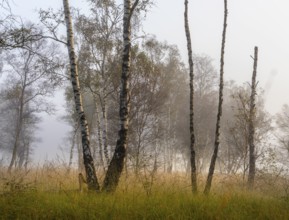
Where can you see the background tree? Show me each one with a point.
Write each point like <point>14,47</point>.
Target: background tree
<point>9,120</point>
<point>282,122</point>
<point>30,77</point>
<point>100,46</point>
<point>157,83</point>
<point>235,151</point>
<point>206,96</point>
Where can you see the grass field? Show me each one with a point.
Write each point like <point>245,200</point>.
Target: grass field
<point>52,194</point>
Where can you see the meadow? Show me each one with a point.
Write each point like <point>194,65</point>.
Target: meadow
<point>52,193</point>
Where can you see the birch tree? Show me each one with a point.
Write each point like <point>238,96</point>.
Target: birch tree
<point>155,85</point>
<point>92,180</point>
<point>192,138</point>
<point>251,125</point>
<point>219,114</point>
<point>117,162</point>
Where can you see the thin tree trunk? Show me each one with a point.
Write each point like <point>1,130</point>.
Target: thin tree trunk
<point>167,155</point>
<point>79,151</point>
<point>99,136</point>
<point>219,115</point>
<point>19,126</point>
<point>27,151</point>
<point>138,151</point>
<point>104,111</point>
<point>117,162</point>
<point>16,143</point>
<point>251,128</point>
<point>71,154</point>
<point>192,135</point>
<point>104,130</point>
<point>92,181</point>
<point>72,147</point>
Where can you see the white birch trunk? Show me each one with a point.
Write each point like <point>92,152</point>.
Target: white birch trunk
<point>99,135</point>
<point>104,129</point>
<point>92,181</point>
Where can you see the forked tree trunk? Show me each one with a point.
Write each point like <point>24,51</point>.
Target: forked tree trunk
<point>251,126</point>
<point>92,181</point>
<point>219,115</point>
<point>191,64</point>
<point>116,165</point>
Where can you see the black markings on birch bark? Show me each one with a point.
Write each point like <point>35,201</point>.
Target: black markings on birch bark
<point>219,115</point>
<point>92,181</point>
<point>99,136</point>
<point>192,135</point>
<point>117,162</point>
<point>104,129</point>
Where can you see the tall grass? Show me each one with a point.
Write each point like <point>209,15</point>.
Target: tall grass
<point>52,194</point>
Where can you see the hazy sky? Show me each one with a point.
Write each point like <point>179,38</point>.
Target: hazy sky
<point>262,23</point>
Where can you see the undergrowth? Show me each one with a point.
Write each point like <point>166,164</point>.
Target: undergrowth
<point>53,194</point>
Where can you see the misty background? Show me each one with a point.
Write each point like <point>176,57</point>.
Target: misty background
<point>262,23</point>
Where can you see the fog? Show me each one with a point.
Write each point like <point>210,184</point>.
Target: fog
<point>262,23</point>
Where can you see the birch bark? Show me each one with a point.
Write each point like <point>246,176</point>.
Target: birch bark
<point>219,115</point>
<point>117,162</point>
<point>104,128</point>
<point>92,181</point>
<point>99,135</point>
<point>192,135</point>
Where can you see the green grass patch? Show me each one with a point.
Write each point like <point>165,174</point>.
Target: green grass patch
<point>74,205</point>
<point>55,196</point>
